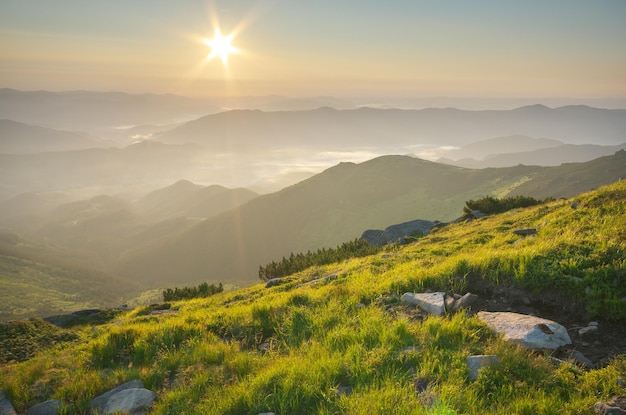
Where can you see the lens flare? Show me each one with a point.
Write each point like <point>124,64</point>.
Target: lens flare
<point>221,46</point>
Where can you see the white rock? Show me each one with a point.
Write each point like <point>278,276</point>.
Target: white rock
<point>527,331</point>
<point>432,303</point>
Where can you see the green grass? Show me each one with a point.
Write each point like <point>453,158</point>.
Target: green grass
<point>289,348</point>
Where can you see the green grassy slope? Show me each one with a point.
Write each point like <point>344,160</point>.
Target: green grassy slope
<point>288,349</point>
<point>38,279</point>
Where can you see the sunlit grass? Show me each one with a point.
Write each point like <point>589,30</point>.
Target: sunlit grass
<point>291,348</point>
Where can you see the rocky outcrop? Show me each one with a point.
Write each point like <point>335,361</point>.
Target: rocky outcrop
<point>528,331</point>
<point>399,233</point>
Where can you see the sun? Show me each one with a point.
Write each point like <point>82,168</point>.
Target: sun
<point>221,46</point>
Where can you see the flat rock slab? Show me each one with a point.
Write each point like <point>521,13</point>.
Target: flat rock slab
<point>531,332</point>
<point>432,303</point>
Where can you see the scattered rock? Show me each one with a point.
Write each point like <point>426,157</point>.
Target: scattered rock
<point>343,391</point>
<point>50,407</point>
<point>475,363</point>
<point>464,302</point>
<point>420,385</point>
<point>528,331</point>
<point>574,205</point>
<point>325,279</point>
<point>6,407</point>
<point>264,347</point>
<point>586,330</point>
<point>580,358</point>
<point>450,302</point>
<point>616,406</point>
<point>525,232</point>
<point>556,362</point>
<point>272,283</point>
<point>399,232</point>
<point>134,401</point>
<point>432,303</point>
<point>162,312</point>
<point>98,403</point>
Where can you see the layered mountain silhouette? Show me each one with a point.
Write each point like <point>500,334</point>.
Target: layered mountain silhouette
<point>254,130</point>
<point>184,198</point>
<point>19,138</point>
<point>513,150</point>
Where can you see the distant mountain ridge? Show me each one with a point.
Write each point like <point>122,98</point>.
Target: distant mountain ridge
<point>184,198</point>
<point>19,138</point>
<point>514,150</point>
<point>363,127</point>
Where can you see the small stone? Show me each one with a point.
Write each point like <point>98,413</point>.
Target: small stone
<point>475,363</point>
<point>525,232</point>
<point>526,301</point>
<point>578,357</point>
<point>264,347</point>
<point>409,349</point>
<point>574,205</point>
<point>616,406</point>
<point>432,303</point>
<point>272,282</point>
<point>343,391</point>
<point>466,301</point>
<point>556,362</point>
<point>134,400</point>
<point>98,403</point>
<point>420,385</point>
<point>50,407</point>
<point>587,330</point>
<point>6,407</point>
<point>449,303</point>
<point>593,323</point>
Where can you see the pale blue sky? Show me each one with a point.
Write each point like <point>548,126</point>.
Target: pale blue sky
<point>556,48</point>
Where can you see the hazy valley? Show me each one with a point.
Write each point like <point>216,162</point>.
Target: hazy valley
<point>175,197</point>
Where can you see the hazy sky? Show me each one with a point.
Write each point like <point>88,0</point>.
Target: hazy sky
<point>477,48</point>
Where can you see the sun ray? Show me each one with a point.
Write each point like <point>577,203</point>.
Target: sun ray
<point>221,46</point>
